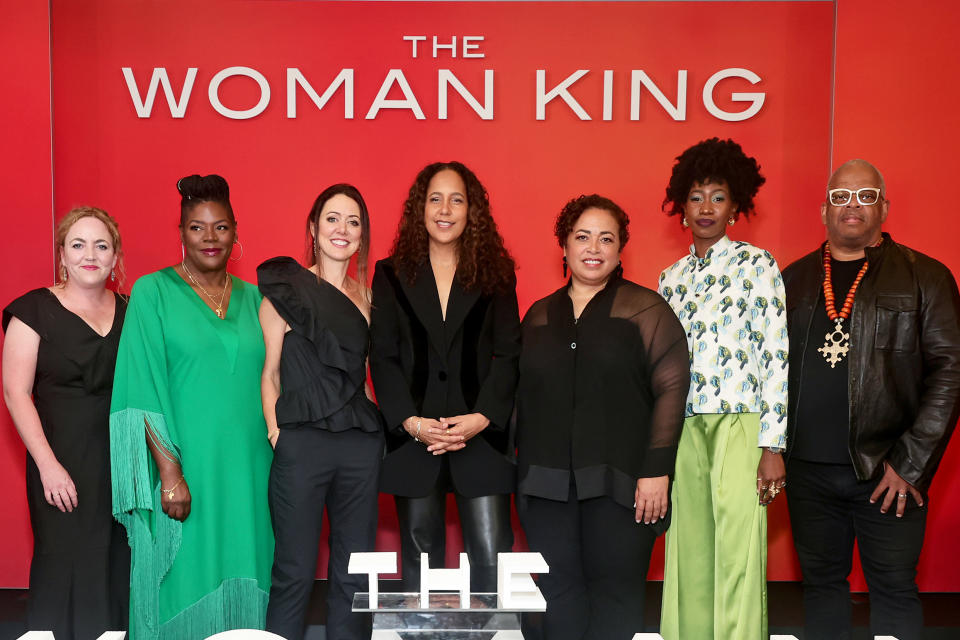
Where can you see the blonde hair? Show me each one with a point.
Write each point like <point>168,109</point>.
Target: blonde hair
<point>67,221</point>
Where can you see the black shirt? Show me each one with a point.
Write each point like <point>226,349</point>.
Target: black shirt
<point>824,423</point>
<point>602,395</point>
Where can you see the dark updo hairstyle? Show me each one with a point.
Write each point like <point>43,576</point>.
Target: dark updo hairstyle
<point>714,160</point>
<point>483,262</point>
<point>363,252</point>
<point>196,189</point>
<point>572,211</point>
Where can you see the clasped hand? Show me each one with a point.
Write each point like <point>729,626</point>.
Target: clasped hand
<point>446,434</point>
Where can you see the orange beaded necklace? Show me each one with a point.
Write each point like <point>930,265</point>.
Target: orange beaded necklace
<point>837,341</point>
<point>828,288</point>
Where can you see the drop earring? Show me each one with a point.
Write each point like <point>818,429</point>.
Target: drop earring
<point>113,275</point>
<point>564,267</point>
<point>684,222</point>
<point>732,221</point>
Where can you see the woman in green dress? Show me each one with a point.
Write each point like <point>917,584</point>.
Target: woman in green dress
<point>189,458</point>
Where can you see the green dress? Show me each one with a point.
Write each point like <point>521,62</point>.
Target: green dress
<point>195,379</point>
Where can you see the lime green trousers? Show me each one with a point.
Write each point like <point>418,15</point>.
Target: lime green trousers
<point>715,572</point>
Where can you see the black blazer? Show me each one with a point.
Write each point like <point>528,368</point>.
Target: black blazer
<point>421,365</point>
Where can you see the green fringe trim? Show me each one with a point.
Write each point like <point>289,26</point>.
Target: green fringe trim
<point>153,536</point>
<point>152,549</point>
<point>238,603</point>
<point>132,470</point>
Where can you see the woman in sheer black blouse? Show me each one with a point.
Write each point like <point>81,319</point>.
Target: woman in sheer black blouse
<point>603,380</point>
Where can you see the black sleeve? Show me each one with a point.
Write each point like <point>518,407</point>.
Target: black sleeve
<point>275,279</point>
<point>386,371</point>
<point>495,400</point>
<point>917,453</point>
<point>668,364</point>
<point>27,309</point>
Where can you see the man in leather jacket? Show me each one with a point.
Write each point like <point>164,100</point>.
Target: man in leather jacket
<point>874,394</point>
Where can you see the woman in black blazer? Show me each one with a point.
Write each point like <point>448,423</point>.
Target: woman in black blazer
<point>445,341</point>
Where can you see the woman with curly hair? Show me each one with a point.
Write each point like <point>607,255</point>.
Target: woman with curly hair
<point>445,339</point>
<point>729,298</point>
<point>603,379</point>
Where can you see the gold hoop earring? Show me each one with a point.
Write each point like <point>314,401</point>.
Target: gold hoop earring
<point>241,251</point>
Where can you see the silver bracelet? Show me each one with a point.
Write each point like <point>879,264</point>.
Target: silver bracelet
<point>417,436</point>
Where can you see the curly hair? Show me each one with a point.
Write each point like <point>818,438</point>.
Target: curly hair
<point>483,262</point>
<point>572,211</point>
<point>63,228</point>
<point>714,160</point>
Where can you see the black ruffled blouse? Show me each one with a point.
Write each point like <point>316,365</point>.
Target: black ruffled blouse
<point>323,362</point>
<point>600,397</point>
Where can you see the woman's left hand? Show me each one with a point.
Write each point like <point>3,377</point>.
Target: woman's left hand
<point>650,499</point>
<point>771,476</point>
<point>456,431</point>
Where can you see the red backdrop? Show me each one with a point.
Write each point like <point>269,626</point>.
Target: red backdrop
<point>823,102</point>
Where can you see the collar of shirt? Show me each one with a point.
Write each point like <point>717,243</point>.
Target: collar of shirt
<point>719,249</point>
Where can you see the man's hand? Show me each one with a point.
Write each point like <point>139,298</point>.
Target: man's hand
<point>897,489</point>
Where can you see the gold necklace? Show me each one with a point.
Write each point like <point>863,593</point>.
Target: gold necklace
<point>219,309</point>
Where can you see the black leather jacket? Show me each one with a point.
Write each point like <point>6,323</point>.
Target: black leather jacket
<point>904,367</point>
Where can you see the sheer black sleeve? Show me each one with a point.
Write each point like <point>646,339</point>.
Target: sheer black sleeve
<point>666,362</point>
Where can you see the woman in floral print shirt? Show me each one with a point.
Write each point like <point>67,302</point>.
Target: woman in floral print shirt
<point>729,298</point>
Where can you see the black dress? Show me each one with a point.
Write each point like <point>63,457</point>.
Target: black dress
<point>79,574</point>
<point>328,453</point>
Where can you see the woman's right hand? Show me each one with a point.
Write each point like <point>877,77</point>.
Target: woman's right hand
<point>177,507</point>
<point>58,487</point>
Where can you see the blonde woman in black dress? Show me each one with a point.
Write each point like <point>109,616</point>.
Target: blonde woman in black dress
<point>58,360</point>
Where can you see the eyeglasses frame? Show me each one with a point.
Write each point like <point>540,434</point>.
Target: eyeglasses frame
<point>874,190</point>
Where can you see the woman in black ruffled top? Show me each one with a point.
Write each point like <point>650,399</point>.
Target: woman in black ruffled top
<point>325,430</point>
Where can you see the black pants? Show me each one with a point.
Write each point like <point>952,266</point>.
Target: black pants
<point>598,558</point>
<point>829,508</point>
<point>313,468</point>
<point>484,521</point>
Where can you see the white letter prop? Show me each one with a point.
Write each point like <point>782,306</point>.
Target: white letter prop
<point>373,563</point>
<point>144,106</point>
<point>515,586</point>
<point>245,634</point>
<point>544,96</point>
<point>395,76</point>
<point>213,93</point>
<point>756,98</point>
<point>444,580</point>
